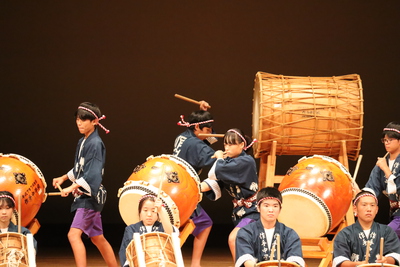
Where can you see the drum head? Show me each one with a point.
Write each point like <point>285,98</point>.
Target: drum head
<point>304,212</point>
<point>130,195</point>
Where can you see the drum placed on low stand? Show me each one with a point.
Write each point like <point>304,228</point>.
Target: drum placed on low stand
<point>20,176</point>
<point>316,195</point>
<point>277,263</point>
<point>157,247</point>
<point>131,193</point>
<point>178,180</point>
<point>13,250</point>
<point>307,115</point>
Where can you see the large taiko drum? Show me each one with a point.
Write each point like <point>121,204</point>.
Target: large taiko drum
<point>158,250</point>
<point>276,263</point>
<point>316,194</point>
<point>307,115</point>
<point>13,250</point>
<point>21,177</point>
<point>180,187</point>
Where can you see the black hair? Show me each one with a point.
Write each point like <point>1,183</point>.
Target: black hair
<point>232,138</point>
<point>6,200</point>
<point>199,116</point>
<point>143,199</point>
<point>392,134</point>
<point>269,192</point>
<point>86,115</point>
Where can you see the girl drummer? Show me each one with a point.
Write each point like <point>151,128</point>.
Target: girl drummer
<point>151,220</point>
<point>238,173</point>
<point>7,209</point>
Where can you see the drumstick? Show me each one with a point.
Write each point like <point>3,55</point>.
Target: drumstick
<point>381,249</point>
<point>54,194</point>
<point>367,252</point>
<point>386,154</point>
<point>357,167</point>
<point>19,213</point>
<point>278,252</point>
<point>187,99</point>
<point>159,192</point>
<point>59,187</point>
<point>212,135</point>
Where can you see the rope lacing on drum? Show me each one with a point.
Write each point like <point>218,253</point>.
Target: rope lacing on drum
<point>14,258</point>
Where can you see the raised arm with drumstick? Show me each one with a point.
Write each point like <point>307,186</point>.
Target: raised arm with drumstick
<point>361,242</point>
<point>384,177</point>
<point>196,150</point>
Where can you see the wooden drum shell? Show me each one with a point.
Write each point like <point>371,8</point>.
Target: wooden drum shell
<point>307,115</point>
<point>317,194</point>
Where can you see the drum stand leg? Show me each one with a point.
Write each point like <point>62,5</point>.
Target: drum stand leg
<point>266,175</point>
<point>186,231</point>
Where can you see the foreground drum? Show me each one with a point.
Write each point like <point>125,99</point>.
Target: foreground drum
<point>316,195</point>
<point>277,263</point>
<point>307,115</point>
<point>21,177</point>
<point>377,264</point>
<point>13,250</point>
<point>158,250</point>
<point>173,177</point>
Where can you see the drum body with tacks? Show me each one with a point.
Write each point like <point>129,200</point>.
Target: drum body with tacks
<point>307,115</point>
<point>317,194</point>
<point>158,250</point>
<point>174,178</point>
<point>21,177</point>
<point>276,263</point>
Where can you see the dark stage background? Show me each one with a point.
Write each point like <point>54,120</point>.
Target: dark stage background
<point>131,57</point>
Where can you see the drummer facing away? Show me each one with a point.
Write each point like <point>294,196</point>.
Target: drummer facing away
<point>350,245</point>
<point>257,241</point>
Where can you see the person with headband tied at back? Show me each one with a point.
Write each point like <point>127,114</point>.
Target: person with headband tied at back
<point>90,195</point>
<point>365,241</point>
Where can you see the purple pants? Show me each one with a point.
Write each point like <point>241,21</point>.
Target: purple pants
<point>89,221</point>
<point>395,225</point>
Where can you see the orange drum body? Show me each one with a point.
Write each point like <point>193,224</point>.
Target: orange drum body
<point>20,176</point>
<point>276,264</point>
<point>307,115</point>
<point>316,193</point>
<point>158,250</point>
<point>13,250</point>
<point>180,187</point>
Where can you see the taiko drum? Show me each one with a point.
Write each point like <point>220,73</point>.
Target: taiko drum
<point>175,177</point>
<point>316,194</point>
<point>21,177</point>
<point>307,115</point>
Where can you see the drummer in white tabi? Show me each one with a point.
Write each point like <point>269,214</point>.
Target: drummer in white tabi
<point>366,241</point>
<point>257,241</point>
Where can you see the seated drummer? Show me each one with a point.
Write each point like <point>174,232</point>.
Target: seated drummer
<point>257,241</point>
<point>350,244</point>
<point>7,209</point>
<point>151,220</point>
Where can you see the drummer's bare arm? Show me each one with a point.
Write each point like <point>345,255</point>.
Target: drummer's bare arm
<point>384,259</point>
<point>352,263</point>
<point>249,264</point>
<point>204,187</point>
<point>166,223</point>
<point>219,154</point>
<point>66,191</point>
<point>59,180</point>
